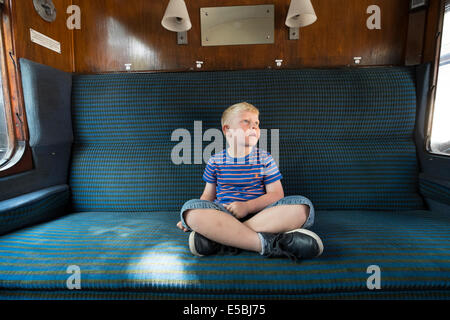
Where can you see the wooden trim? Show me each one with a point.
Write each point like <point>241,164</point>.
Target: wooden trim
<point>21,166</point>
<point>431,29</point>
<point>72,51</point>
<point>434,76</point>
<point>416,37</point>
<point>5,86</point>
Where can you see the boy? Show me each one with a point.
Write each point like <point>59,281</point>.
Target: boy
<point>243,204</point>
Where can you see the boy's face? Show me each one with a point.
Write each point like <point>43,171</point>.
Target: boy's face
<point>243,129</point>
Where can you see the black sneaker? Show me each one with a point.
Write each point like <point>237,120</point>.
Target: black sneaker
<point>201,246</point>
<point>297,244</point>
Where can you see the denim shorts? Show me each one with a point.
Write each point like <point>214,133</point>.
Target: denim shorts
<point>206,204</point>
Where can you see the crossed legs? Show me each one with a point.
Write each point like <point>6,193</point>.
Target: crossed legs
<point>227,230</point>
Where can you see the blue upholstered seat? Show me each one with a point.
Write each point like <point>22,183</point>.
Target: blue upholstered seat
<point>143,255</point>
<point>346,143</point>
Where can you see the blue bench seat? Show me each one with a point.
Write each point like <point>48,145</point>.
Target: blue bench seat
<point>144,256</point>
<point>105,194</point>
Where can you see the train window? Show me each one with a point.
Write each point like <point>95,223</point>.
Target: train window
<point>4,141</point>
<point>440,130</point>
<point>4,136</point>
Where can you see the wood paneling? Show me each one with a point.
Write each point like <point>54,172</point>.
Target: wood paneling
<point>431,30</point>
<point>414,42</point>
<point>116,32</point>
<point>25,17</point>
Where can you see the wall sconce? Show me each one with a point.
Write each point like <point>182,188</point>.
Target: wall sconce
<point>301,14</point>
<point>176,19</point>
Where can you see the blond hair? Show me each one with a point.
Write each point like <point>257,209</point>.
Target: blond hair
<point>235,109</point>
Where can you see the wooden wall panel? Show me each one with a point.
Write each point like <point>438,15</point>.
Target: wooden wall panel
<point>431,30</point>
<point>116,32</point>
<point>415,39</point>
<point>25,17</point>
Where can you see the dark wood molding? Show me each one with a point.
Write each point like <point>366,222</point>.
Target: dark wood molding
<point>431,31</point>
<point>416,36</point>
<point>25,164</point>
<point>18,128</point>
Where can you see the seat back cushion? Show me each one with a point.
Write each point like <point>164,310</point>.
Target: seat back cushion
<point>345,135</point>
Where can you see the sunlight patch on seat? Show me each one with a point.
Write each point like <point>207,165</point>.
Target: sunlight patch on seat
<point>160,264</point>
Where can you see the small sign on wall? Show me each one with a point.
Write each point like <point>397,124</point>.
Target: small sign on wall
<point>45,41</point>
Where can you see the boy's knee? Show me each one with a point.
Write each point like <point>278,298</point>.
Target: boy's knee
<point>187,213</point>
<point>304,209</point>
<point>307,216</point>
<point>301,215</point>
<point>191,216</point>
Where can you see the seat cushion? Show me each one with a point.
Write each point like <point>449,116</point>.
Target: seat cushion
<point>144,255</point>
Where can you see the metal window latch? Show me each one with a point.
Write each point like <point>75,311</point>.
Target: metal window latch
<point>12,58</point>
<point>19,117</point>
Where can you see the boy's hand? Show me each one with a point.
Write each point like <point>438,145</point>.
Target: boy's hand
<point>239,209</point>
<point>180,225</point>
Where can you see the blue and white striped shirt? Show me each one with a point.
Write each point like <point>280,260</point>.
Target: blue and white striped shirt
<point>241,179</point>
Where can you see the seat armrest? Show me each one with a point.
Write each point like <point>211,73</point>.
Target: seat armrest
<point>34,207</point>
<point>435,189</point>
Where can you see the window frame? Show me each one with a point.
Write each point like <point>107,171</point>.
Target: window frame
<point>434,80</point>
<point>6,102</point>
<point>20,157</point>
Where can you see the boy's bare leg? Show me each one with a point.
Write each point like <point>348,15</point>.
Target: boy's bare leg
<point>279,219</point>
<point>222,228</point>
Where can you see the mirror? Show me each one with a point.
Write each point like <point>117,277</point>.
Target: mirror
<point>236,25</point>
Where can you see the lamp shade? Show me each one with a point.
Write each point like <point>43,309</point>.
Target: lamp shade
<point>176,17</point>
<point>301,13</point>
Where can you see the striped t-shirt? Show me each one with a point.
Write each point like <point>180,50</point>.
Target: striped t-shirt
<point>241,179</point>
